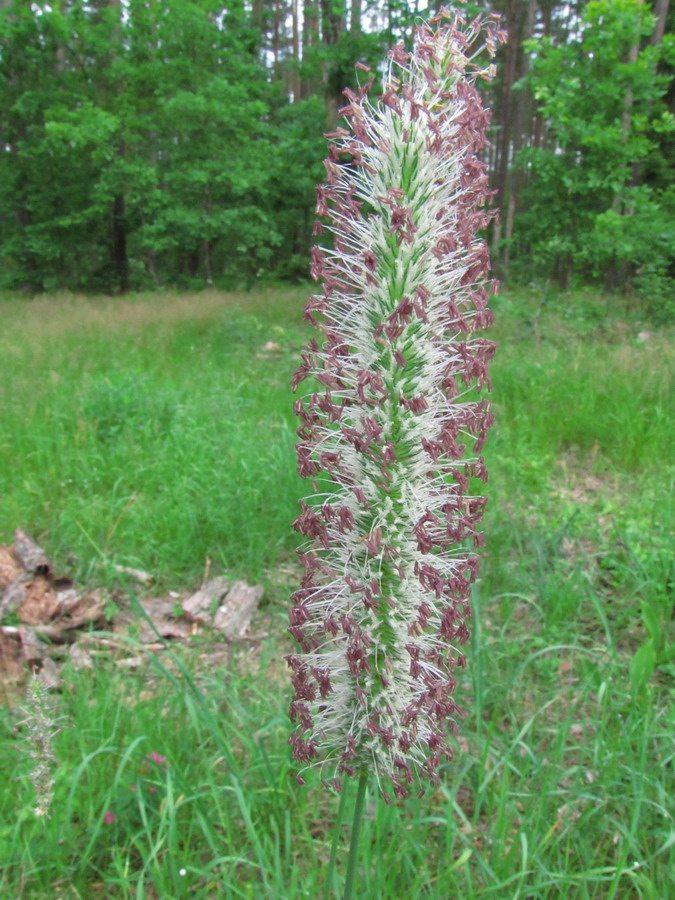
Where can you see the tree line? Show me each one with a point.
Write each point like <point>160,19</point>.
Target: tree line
<point>151,144</point>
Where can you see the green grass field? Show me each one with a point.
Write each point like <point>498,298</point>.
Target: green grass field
<point>157,432</point>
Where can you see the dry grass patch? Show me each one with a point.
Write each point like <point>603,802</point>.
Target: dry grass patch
<point>60,314</point>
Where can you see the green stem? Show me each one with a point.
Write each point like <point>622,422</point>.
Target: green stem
<point>336,840</point>
<point>356,830</point>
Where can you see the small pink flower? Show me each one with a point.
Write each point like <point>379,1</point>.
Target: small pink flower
<point>156,758</point>
<point>109,818</point>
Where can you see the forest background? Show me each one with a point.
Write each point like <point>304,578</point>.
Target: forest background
<point>148,145</point>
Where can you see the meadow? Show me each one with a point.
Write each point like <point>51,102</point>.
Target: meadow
<point>157,432</point>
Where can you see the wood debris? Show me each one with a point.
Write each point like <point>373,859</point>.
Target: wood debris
<point>40,613</point>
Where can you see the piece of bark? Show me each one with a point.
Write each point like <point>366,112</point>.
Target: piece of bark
<point>201,607</point>
<point>32,648</point>
<point>159,607</point>
<point>76,609</point>
<point>12,670</point>
<point>20,653</point>
<point>67,599</point>
<point>13,595</point>
<point>39,604</point>
<point>161,612</point>
<point>163,622</point>
<point>31,557</point>
<point>10,568</point>
<point>73,611</point>
<point>234,614</point>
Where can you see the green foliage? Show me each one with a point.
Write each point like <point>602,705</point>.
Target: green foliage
<point>641,241</point>
<point>163,160</point>
<point>593,207</point>
<point>294,170</point>
<point>145,148</point>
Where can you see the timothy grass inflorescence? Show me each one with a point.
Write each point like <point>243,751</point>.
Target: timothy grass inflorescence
<point>394,427</point>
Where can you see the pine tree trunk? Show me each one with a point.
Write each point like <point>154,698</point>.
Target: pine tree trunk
<point>661,13</point>
<point>276,38</point>
<point>119,243</point>
<point>355,17</point>
<point>120,257</point>
<point>505,112</point>
<point>521,133</point>
<point>626,121</point>
<point>333,17</point>
<point>295,72</point>
<point>310,42</point>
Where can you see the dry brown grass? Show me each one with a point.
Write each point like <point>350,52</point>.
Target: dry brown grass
<point>59,314</point>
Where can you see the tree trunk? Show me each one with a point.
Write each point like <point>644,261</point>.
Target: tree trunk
<point>626,121</point>
<point>333,18</point>
<point>661,13</point>
<point>505,111</point>
<point>119,244</point>
<point>257,15</point>
<point>206,256</point>
<point>538,134</point>
<point>355,17</point>
<point>276,38</point>
<point>13,134</point>
<point>310,42</point>
<point>120,255</point>
<point>521,133</point>
<point>295,72</point>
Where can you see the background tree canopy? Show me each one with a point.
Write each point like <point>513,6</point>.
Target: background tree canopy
<point>153,144</point>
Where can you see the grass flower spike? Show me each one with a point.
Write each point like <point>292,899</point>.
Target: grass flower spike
<point>42,727</point>
<point>392,432</point>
